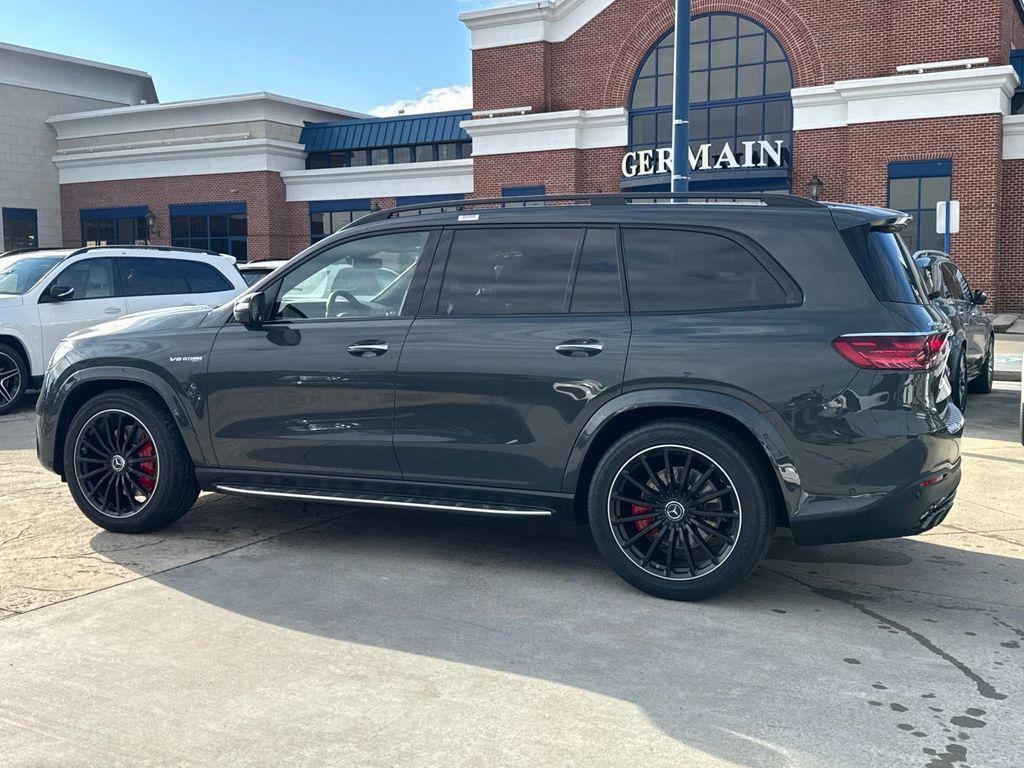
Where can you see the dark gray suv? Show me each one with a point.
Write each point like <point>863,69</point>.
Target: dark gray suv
<point>682,377</point>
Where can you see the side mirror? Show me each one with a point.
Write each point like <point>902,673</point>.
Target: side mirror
<point>979,298</point>
<point>61,292</point>
<point>250,309</point>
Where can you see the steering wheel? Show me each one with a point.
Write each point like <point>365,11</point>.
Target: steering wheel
<point>335,296</point>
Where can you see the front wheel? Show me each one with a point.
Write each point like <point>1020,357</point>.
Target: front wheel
<point>126,465</point>
<point>982,385</point>
<point>14,377</point>
<point>679,510</point>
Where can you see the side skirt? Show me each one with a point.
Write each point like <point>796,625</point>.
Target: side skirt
<point>471,500</point>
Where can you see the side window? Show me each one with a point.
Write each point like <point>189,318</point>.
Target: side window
<point>151,277</point>
<point>953,289</point>
<point>91,279</point>
<point>508,271</point>
<point>202,278</point>
<point>677,271</point>
<point>598,286</point>
<point>965,287</point>
<point>369,277</point>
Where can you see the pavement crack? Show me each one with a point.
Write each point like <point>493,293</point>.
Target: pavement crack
<point>985,688</point>
<point>16,536</point>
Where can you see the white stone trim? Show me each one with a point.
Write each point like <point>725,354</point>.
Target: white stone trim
<point>1013,137</point>
<point>246,107</point>
<point>552,21</point>
<point>982,91</point>
<point>54,73</point>
<point>544,131</point>
<point>443,177</point>
<point>181,160</point>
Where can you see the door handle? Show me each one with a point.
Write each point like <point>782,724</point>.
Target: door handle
<point>368,348</point>
<point>580,348</point>
<point>112,311</point>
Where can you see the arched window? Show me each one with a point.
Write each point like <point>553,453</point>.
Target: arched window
<point>740,84</point>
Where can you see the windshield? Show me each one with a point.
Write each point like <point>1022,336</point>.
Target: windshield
<point>19,273</point>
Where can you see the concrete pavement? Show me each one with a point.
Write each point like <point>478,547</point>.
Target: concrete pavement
<point>281,634</point>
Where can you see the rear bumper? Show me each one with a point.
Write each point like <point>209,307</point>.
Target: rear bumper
<point>910,509</point>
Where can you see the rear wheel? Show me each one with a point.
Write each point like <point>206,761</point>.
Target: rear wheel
<point>679,510</point>
<point>958,381</point>
<point>14,377</point>
<point>982,385</point>
<point>126,465</point>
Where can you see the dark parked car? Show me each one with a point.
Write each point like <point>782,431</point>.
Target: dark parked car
<point>682,377</point>
<point>973,341</point>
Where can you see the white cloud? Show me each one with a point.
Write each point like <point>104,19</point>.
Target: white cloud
<point>445,99</point>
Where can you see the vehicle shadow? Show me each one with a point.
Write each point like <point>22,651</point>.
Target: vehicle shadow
<point>837,642</point>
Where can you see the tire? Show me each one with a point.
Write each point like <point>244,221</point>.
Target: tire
<point>982,384</point>
<point>14,376</point>
<point>154,482</point>
<point>958,382</point>
<point>745,514</point>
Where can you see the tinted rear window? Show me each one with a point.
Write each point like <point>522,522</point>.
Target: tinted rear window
<point>508,271</point>
<point>886,265</point>
<point>151,277</point>
<point>202,278</point>
<point>681,271</point>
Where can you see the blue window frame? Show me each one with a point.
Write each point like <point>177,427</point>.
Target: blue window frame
<point>523,192</point>
<point>410,153</point>
<point>218,227</point>
<point>740,83</point>
<point>115,226</point>
<point>21,228</point>
<point>917,188</point>
<point>426,200</point>
<point>328,216</point>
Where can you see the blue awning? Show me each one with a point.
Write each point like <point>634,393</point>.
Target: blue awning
<point>437,128</point>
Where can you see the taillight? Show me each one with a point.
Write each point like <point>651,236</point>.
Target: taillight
<point>894,353</point>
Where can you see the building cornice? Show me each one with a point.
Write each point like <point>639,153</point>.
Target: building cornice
<point>956,93</point>
<point>442,177</point>
<point>552,21</point>
<point>247,107</point>
<point>545,131</point>
<point>54,73</point>
<point>180,160</point>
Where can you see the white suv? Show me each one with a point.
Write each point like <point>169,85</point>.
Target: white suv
<point>47,294</point>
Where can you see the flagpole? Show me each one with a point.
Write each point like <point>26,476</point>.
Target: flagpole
<point>681,104</point>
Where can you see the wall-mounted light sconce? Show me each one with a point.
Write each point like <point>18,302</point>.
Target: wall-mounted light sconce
<point>815,187</point>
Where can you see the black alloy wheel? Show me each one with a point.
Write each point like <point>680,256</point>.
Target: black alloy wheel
<point>674,512</point>
<point>982,384</point>
<point>117,464</point>
<point>13,377</point>
<point>959,383</point>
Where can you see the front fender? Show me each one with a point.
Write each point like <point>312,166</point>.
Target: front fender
<point>54,401</point>
<point>764,426</point>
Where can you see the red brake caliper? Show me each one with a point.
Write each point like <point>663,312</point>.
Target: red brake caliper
<point>640,509</point>
<point>147,468</point>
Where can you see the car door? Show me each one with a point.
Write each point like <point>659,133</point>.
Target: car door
<point>523,335</point>
<point>95,299</point>
<point>976,324</point>
<point>312,389</point>
<point>959,308</point>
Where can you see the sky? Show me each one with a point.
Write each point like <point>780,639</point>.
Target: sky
<point>375,56</point>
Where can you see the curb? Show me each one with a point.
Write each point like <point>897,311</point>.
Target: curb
<point>1006,375</point>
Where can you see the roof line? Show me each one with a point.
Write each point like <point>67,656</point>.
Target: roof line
<point>238,97</point>
<point>74,60</point>
<point>413,116</point>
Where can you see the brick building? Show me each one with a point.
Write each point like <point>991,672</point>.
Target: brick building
<point>899,103</point>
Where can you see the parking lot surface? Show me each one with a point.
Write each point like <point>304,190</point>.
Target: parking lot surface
<point>286,634</point>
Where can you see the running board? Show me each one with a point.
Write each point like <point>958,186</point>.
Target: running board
<point>330,497</point>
